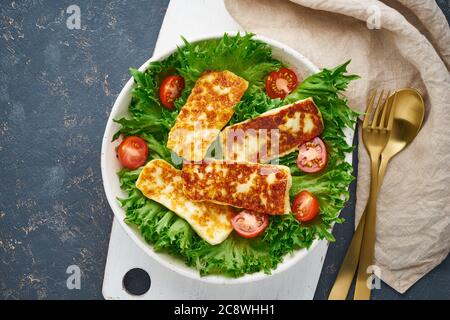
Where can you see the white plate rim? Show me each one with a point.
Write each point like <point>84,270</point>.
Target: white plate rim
<point>175,264</point>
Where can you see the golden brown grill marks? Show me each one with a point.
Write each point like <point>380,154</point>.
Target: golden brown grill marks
<point>163,183</point>
<point>253,186</point>
<point>286,128</point>
<point>208,109</point>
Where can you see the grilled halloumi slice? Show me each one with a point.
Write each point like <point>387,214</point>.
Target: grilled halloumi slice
<point>162,183</point>
<point>273,134</point>
<point>253,186</point>
<point>208,109</point>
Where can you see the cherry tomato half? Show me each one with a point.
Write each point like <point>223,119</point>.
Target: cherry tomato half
<point>132,152</point>
<point>305,206</point>
<point>312,156</point>
<point>170,90</point>
<point>280,83</point>
<point>250,224</point>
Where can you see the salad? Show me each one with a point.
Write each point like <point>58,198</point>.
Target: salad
<point>319,176</point>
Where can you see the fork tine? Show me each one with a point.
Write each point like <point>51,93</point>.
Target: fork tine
<point>386,109</point>
<point>369,109</point>
<point>377,110</point>
<point>391,114</point>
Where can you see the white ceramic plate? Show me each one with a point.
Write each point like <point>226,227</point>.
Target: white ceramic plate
<point>110,166</point>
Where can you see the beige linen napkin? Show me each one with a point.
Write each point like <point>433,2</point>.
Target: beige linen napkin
<point>392,44</point>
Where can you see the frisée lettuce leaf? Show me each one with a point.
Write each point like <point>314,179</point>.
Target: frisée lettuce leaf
<point>252,60</point>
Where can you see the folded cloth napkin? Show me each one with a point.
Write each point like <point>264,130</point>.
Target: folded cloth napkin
<point>392,44</point>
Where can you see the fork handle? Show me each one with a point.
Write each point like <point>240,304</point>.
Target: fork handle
<point>362,287</point>
<point>350,263</point>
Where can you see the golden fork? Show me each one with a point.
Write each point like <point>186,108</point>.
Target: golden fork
<point>377,135</point>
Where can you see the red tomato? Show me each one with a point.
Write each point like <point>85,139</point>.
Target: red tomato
<point>132,152</point>
<point>305,206</point>
<point>250,224</point>
<point>280,83</point>
<point>312,156</point>
<point>170,90</point>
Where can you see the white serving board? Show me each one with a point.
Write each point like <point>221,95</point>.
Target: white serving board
<point>192,19</point>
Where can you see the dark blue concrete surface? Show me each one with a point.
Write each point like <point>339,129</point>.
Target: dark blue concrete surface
<point>57,87</point>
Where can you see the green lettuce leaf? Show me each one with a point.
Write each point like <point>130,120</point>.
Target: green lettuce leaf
<point>252,60</point>
<point>242,55</point>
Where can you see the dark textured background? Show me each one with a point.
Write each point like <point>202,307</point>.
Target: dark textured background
<point>57,87</point>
